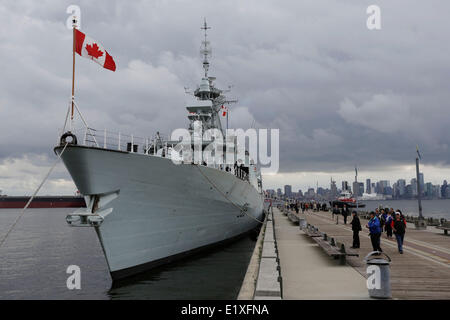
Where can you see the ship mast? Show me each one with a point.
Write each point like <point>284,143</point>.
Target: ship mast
<point>208,91</point>
<point>206,49</point>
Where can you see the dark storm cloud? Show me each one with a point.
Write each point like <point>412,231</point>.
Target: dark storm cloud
<point>339,93</point>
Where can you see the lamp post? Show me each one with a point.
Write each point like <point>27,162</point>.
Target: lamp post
<point>420,223</point>
<point>419,191</point>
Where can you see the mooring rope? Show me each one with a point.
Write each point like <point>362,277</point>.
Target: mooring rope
<point>32,197</point>
<point>225,196</point>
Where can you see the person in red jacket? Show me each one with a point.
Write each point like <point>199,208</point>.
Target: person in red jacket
<point>398,225</point>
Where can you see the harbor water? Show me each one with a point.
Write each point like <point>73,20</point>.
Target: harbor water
<point>35,257</point>
<point>430,208</point>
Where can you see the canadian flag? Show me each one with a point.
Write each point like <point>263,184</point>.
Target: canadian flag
<point>224,111</point>
<point>91,49</point>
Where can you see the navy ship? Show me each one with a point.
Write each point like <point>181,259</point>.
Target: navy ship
<point>148,210</point>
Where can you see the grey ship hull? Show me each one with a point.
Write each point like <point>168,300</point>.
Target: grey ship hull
<point>157,211</point>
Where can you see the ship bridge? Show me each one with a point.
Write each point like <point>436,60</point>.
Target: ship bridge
<point>201,110</point>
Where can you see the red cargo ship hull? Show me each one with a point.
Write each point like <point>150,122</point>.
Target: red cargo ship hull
<point>42,202</point>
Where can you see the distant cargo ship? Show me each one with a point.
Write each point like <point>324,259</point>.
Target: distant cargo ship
<point>11,202</point>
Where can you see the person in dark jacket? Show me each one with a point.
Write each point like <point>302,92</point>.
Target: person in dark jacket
<point>388,227</point>
<point>345,213</point>
<point>356,227</point>
<point>383,217</point>
<point>399,227</point>
<point>375,231</point>
<point>335,211</point>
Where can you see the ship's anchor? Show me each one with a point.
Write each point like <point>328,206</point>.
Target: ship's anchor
<point>95,211</point>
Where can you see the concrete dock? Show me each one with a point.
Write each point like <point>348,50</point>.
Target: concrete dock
<point>304,271</point>
<point>307,272</point>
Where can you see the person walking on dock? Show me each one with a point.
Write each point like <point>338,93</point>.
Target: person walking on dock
<point>345,213</point>
<point>399,227</point>
<point>375,231</point>
<point>356,227</point>
<point>383,217</point>
<point>388,225</point>
<point>335,211</point>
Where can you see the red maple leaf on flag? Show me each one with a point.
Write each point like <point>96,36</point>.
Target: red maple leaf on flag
<point>93,50</point>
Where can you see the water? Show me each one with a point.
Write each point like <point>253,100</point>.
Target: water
<point>35,257</point>
<point>430,208</point>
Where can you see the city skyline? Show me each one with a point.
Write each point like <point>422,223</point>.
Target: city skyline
<point>397,189</point>
<point>309,180</point>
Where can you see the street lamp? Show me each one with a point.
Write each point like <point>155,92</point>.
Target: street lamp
<point>420,223</point>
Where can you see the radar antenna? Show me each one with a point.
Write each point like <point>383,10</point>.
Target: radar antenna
<point>206,49</point>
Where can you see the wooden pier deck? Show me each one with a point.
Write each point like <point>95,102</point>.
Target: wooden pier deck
<point>422,272</point>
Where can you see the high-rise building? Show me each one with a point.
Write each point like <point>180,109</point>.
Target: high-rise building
<point>395,190</point>
<point>401,186</point>
<point>345,186</point>
<point>320,191</point>
<point>409,192</point>
<point>428,192</point>
<point>384,184</point>
<point>368,186</point>
<point>444,188</point>
<point>437,191</point>
<point>279,193</point>
<point>288,190</point>
<point>333,189</point>
<point>358,188</point>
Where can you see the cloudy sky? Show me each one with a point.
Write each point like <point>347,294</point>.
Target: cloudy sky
<point>339,93</point>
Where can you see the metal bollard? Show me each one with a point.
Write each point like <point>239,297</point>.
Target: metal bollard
<point>378,275</point>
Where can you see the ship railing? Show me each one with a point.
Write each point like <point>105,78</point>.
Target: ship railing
<point>116,140</point>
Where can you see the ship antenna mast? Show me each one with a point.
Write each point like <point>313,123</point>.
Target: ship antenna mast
<point>205,50</point>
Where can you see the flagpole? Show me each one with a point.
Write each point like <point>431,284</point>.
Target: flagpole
<point>356,192</point>
<point>73,68</point>
<point>227,118</point>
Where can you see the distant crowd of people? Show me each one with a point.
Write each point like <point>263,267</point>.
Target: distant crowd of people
<point>304,206</point>
<point>381,221</point>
